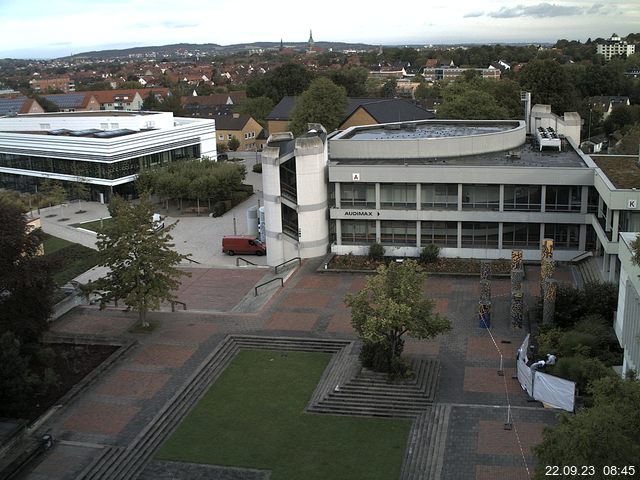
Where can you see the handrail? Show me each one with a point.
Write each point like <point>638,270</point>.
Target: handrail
<point>581,256</point>
<point>173,305</point>
<point>244,260</point>
<point>193,261</point>
<point>288,261</point>
<point>255,290</point>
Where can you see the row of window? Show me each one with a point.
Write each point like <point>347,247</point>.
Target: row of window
<point>108,171</point>
<point>247,136</point>
<point>474,197</point>
<point>473,234</point>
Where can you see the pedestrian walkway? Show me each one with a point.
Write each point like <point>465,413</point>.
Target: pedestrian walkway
<point>469,405</point>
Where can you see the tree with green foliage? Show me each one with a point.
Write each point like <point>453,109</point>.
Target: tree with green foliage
<point>258,108</point>
<point>323,102</point>
<point>464,102</point>
<point>605,435</point>
<point>47,105</point>
<point>151,102</point>
<point>221,147</point>
<point>25,279</point>
<point>79,190</point>
<point>550,84</point>
<point>233,143</point>
<point>635,250</point>
<point>389,89</point>
<point>352,78</point>
<point>53,192</point>
<point>289,79</point>
<point>140,257</point>
<point>393,304</point>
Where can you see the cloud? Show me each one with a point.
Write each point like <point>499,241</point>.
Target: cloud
<point>474,14</point>
<point>546,10</point>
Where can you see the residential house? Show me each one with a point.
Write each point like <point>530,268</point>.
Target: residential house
<point>241,126</point>
<point>606,104</point>
<point>127,99</point>
<point>64,84</point>
<point>74,102</point>
<point>359,111</point>
<point>12,106</point>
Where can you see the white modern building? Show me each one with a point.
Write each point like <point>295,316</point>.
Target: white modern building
<point>104,149</point>
<point>614,47</point>
<point>477,189</point>
<point>627,321</point>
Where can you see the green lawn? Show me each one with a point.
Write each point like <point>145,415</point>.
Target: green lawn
<point>93,226</point>
<point>68,259</point>
<point>253,417</point>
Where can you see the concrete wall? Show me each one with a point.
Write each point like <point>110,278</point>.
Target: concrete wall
<point>627,320</point>
<point>272,208</point>
<point>567,125</point>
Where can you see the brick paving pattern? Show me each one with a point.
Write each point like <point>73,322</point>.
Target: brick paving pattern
<point>122,401</point>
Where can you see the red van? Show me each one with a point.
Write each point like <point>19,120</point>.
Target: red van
<point>242,244</point>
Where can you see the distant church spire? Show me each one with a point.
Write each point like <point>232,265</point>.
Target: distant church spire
<point>310,37</point>
<point>281,45</point>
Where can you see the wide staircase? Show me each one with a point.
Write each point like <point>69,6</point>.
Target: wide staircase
<point>424,456</point>
<point>373,394</point>
<point>589,270</point>
<point>120,463</point>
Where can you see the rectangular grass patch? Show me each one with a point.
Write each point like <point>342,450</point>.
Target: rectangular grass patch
<point>253,417</point>
<point>68,259</point>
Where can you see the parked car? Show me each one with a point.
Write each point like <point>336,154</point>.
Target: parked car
<point>243,244</point>
<point>158,222</point>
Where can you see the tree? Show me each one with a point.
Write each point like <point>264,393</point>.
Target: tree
<point>635,250</point>
<point>53,192</point>
<point>140,258</point>
<point>46,104</point>
<point>352,78</point>
<point>151,102</point>
<point>258,108</point>
<point>80,191</point>
<point>469,103</point>
<point>601,436</point>
<point>25,279</point>
<point>221,147</point>
<point>324,102</point>
<point>388,90</point>
<point>392,304</point>
<point>288,79</point>
<point>233,144</point>
<point>549,84</point>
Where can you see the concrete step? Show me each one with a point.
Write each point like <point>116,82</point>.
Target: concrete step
<point>368,411</point>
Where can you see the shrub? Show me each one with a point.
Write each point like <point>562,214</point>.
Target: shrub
<point>378,356</point>
<point>581,370</point>
<point>376,252</point>
<point>430,253</point>
<point>257,168</point>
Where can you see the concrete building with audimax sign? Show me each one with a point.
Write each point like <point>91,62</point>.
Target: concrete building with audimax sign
<point>104,149</point>
<point>477,189</point>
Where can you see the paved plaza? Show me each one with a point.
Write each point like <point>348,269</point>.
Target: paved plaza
<point>113,410</point>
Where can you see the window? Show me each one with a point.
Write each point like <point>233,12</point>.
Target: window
<point>439,196</point>
<point>358,232</point>
<point>443,234</point>
<point>220,137</point>
<point>523,197</point>
<point>289,222</point>
<point>479,235</point>
<point>565,237</point>
<point>229,136</point>
<point>563,199</point>
<point>399,196</point>
<point>357,195</point>
<point>521,235</point>
<point>398,233</point>
<point>115,126</point>
<point>45,126</point>
<point>480,197</point>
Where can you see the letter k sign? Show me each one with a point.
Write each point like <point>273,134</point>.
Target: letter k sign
<point>632,204</point>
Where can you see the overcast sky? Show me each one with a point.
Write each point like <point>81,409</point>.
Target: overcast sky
<point>52,28</point>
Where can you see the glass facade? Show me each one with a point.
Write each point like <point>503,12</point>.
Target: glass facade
<point>480,197</point>
<point>288,183</point>
<point>526,198</point>
<point>563,198</point>
<point>104,170</point>
<point>358,232</point>
<point>289,221</point>
<point>521,235</point>
<point>565,237</point>
<point>479,235</point>
<point>443,234</point>
<point>439,196</point>
<point>362,195</point>
<point>398,195</point>
<point>398,233</point>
